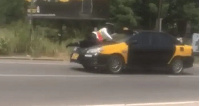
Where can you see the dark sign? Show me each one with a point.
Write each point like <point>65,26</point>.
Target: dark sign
<point>70,9</point>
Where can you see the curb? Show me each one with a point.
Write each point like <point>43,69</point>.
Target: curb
<point>26,58</point>
<point>45,59</point>
<point>15,58</point>
<point>48,59</point>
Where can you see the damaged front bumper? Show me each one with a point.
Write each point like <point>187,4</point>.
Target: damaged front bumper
<point>94,60</point>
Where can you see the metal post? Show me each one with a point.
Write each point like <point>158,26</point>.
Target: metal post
<point>31,19</point>
<point>91,9</point>
<point>31,15</point>
<point>160,24</point>
<point>82,6</point>
<point>159,16</point>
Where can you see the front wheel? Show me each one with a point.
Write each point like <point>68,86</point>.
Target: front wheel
<point>115,64</point>
<point>176,66</point>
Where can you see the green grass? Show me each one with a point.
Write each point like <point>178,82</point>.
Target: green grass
<point>16,39</point>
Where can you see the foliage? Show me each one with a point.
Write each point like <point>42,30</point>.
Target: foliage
<point>122,14</point>
<point>125,13</point>
<point>11,10</point>
<point>135,14</point>
<point>70,29</point>
<point>144,13</point>
<point>147,10</point>
<point>181,12</point>
<point>3,46</point>
<point>16,39</point>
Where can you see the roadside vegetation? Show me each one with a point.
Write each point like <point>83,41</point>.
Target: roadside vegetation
<point>17,37</point>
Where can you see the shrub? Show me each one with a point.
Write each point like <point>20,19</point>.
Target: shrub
<point>15,39</point>
<point>3,46</point>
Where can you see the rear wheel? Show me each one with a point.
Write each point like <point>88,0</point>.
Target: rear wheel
<point>115,64</point>
<point>176,66</point>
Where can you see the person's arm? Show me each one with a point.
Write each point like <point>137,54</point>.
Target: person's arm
<point>73,44</point>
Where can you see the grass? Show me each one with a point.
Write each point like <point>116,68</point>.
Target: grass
<point>15,39</point>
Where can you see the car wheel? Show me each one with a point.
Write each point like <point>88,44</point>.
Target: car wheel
<point>176,66</point>
<point>115,64</point>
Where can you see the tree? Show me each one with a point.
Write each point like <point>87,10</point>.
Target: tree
<point>181,13</point>
<point>122,14</point>
<point>147,10</point>
<point>11,10</point>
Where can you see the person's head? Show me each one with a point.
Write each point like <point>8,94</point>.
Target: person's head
<point>127,31</point>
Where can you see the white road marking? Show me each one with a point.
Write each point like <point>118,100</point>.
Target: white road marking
<point>185,76</point>
<point>190,103</point>
<point>66,76</point>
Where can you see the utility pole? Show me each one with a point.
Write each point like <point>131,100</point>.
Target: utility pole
<point>31,13</point>
<point>31,19</point>
<point>159,23</point>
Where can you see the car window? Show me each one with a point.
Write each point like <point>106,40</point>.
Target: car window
<point>119,36</point>
<point>167,39</point>
<point>143,38</point>
<point>155,39</point>
<point>122,37</point>
<point>161,39</point>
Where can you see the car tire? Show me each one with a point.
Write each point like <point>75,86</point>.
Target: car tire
<point>176,66</point>
<point>115,64</point>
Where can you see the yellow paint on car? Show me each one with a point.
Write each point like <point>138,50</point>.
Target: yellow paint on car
<point>119,48</point>
<point>187,51</point>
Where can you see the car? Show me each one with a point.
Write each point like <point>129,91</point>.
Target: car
<point>142,48</point>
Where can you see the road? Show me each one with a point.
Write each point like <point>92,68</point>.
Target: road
<point>45,83</point>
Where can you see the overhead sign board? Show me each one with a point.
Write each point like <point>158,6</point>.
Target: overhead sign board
<point>69,9</point>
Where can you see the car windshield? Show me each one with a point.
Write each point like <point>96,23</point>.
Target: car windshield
<point>122,37</point>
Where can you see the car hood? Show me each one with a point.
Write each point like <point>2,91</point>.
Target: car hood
<point>105,43</point>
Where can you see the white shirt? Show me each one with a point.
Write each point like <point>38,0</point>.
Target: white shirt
<point>105,34</point>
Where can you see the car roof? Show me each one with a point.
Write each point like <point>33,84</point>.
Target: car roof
<point>150,31</point>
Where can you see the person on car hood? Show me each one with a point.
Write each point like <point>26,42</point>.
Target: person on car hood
<point>104,33</point>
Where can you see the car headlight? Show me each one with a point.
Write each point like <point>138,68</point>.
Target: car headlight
<point>94,50</point>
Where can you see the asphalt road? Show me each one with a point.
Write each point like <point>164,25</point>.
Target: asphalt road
<point>43,83</point>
